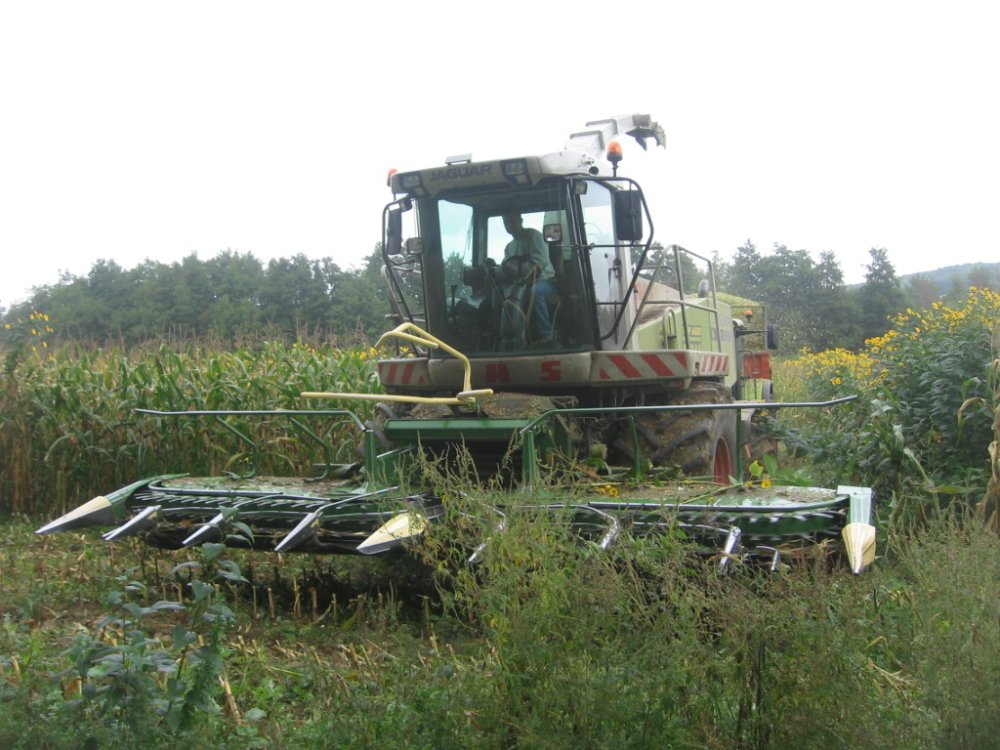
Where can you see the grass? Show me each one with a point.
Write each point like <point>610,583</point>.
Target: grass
<point>547,644</point>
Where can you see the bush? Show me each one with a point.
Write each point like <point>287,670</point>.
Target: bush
<point>923,421</point>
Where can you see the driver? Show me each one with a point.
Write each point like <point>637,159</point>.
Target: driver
<point>526,259</point>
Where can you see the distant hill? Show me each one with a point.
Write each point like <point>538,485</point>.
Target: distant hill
<point>948,276</point>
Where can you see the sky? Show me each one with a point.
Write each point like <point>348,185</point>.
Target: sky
<point>139,130</point>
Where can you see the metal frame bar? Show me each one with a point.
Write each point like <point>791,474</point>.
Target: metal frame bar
<point>530,459</point>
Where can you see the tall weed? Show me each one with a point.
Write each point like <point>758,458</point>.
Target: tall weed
<point>920,430</point>
<point>547,643</point>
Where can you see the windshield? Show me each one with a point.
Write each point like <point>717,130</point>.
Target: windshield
<point>548,267</point>
<point>502,271</point>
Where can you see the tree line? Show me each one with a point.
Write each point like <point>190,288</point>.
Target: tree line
<point>234,295</point>
<point>815,309</point>
<point>226,297</point>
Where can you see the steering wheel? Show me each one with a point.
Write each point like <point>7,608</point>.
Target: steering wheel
<point>516,267</point>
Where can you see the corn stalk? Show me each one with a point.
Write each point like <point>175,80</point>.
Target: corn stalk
<point>989,507</point>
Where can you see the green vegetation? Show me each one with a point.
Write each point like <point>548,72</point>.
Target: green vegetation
<point>68,426</point>
<point>548,642</point>
<point>920,432</point>
<point>816,310</point>
<point>226,298</point>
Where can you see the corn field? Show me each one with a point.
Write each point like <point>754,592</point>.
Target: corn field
<point>69,428</point>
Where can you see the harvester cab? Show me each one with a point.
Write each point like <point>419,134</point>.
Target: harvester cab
<point>457,266</point>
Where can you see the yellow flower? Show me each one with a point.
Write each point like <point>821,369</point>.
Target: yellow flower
<point>765,482</point>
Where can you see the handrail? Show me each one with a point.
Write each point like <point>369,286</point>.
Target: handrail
<point>681,303</point>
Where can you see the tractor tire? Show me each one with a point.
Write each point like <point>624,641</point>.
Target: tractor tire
<point>701,443</point>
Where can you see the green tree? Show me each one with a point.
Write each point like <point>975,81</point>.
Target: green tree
<point>744,277</point>
<point>836,313</point>
<point>296,298</point>
<point>225,297</point>
<point>880,296</point>
<point>360,300</point>
<point>93,307</point>
<point>981,277</point>
<point>153,303</point>
<point>238,283</point>
<point>194,296</point>
<point>922,291</point>
<point>807,299</point>
<point>791,285</point>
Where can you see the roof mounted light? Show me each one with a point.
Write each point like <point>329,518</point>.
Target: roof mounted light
<point>411,183</point>
<point>614,155</point>
<point>388,177</point>
<point>515,171</point>
<point>514,167</point>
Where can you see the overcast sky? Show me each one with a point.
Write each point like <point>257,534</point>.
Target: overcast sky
<point>135,130</point>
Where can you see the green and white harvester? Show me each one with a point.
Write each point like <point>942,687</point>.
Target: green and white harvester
<point>539,330</point>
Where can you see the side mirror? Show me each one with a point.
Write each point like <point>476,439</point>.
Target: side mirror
<point>628,216</point>
<point>394,226</point>
<point>771,335</point>
<point>394,232</point>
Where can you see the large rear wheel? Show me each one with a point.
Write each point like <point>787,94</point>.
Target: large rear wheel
<point>701,443</point>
